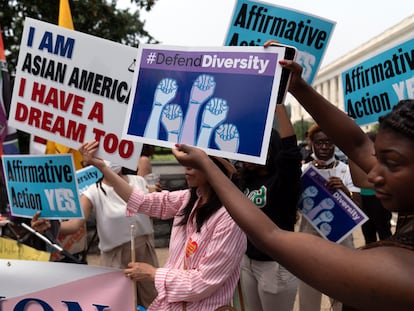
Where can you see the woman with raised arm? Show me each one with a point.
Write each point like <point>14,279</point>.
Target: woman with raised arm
<point>206,245</point>
<point>378,277</point>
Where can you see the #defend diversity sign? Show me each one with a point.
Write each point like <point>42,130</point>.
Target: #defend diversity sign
<point>255,22</point>
<point>219,99</point>
<point>45,184</point>
<point>71,87</point>
<point>332,214</point>
<point>374,86</point>
<point>87,176</point>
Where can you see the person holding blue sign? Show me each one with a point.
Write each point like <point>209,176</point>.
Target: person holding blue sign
<point>378,277</point>
<point>338,175</point>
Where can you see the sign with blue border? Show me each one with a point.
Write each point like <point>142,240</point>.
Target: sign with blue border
<point>42,183</point>
<point>219,99</point>
<point>371,88</point>
<point>333,214</point>
<point>87,176</point>
<point>255,22</point>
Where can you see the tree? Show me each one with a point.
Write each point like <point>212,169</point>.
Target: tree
<point>301,127</point>
<point>99,18</point>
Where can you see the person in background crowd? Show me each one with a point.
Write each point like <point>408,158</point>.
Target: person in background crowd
<point>114,228</point>
<point>206,245</point>
<point>144,162</point>
<point>274,188</point>
<point>306,149</point>
<point>339,178</point>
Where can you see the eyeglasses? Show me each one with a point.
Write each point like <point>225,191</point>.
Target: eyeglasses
<point>320,143</point>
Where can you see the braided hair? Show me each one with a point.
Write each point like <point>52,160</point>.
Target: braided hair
<point>400,119</point>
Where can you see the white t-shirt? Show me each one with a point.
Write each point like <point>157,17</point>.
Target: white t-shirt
<point>340,170</point>
<point>114,227</point>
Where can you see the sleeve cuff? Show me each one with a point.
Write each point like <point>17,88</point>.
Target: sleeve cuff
<point>134,201</point>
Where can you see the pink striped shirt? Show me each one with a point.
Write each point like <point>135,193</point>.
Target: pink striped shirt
<point>212,256</point>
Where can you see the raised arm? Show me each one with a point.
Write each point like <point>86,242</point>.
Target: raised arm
<point>144,166</point>
<point>285,125</point>
<point>359,177</point>
<point>121,186</point>
<point>345,133</point>
<point>342,273</point>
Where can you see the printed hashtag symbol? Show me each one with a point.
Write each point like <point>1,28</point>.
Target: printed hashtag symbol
<point>151,58</point>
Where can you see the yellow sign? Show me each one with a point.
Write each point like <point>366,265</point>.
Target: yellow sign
<point>10,249</point>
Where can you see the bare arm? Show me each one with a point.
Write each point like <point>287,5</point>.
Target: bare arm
<point>345,274</point>
<point>73,225</point>
<point>335,123</point>
<point>121,186</point>
<point>144,166</point>
<point>359,177</point>
<point>285,125</point>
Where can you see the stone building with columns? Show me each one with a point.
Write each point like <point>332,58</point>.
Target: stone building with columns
<point>328,81</point>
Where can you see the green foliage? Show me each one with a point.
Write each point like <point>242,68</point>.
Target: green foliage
<point>163,154</point>
<point>99,18</point>
<point>301,127</point>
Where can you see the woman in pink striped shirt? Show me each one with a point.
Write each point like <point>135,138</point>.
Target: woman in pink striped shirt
<point>206,245</point>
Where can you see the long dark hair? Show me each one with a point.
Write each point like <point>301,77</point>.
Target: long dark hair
<point>205,211</point>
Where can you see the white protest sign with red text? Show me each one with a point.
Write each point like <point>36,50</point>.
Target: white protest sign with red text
<point>72,88</point>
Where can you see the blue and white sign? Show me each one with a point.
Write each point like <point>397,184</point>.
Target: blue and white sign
<point>220,99</point>
<point>374,86</point>
<point>87,176</point>
<point>333,214</point>
<point>255,22</point>
<point>42,183</point>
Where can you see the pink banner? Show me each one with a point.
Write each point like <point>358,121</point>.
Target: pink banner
<point>41,286</point>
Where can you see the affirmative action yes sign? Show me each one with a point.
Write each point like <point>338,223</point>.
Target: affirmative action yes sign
<point>255,22</point>
<point>373,87</point>
<point>45,184</point>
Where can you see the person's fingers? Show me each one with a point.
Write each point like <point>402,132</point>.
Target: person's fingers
<point>291,65</point>
<point>271,42</point>
<point>36,216</point>
<point>94,144</point>
<point>181,147</point>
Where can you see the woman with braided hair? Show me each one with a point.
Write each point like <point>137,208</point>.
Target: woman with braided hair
<point>377,277</point>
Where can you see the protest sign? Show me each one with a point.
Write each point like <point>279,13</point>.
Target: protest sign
<point>255,22</point>
<point>333,214</point>
<point>45,184</point>
<point>220,99</point>
<point>371,88</point>
<point>71,87</point>
<point>87,176</point>
<point>77,242</point>
<point>12,249</point>
<point>35,285</point>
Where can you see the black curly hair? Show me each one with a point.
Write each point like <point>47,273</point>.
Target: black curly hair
<point>400,119</point>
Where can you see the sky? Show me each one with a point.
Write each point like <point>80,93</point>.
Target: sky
<point>206,22</point>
